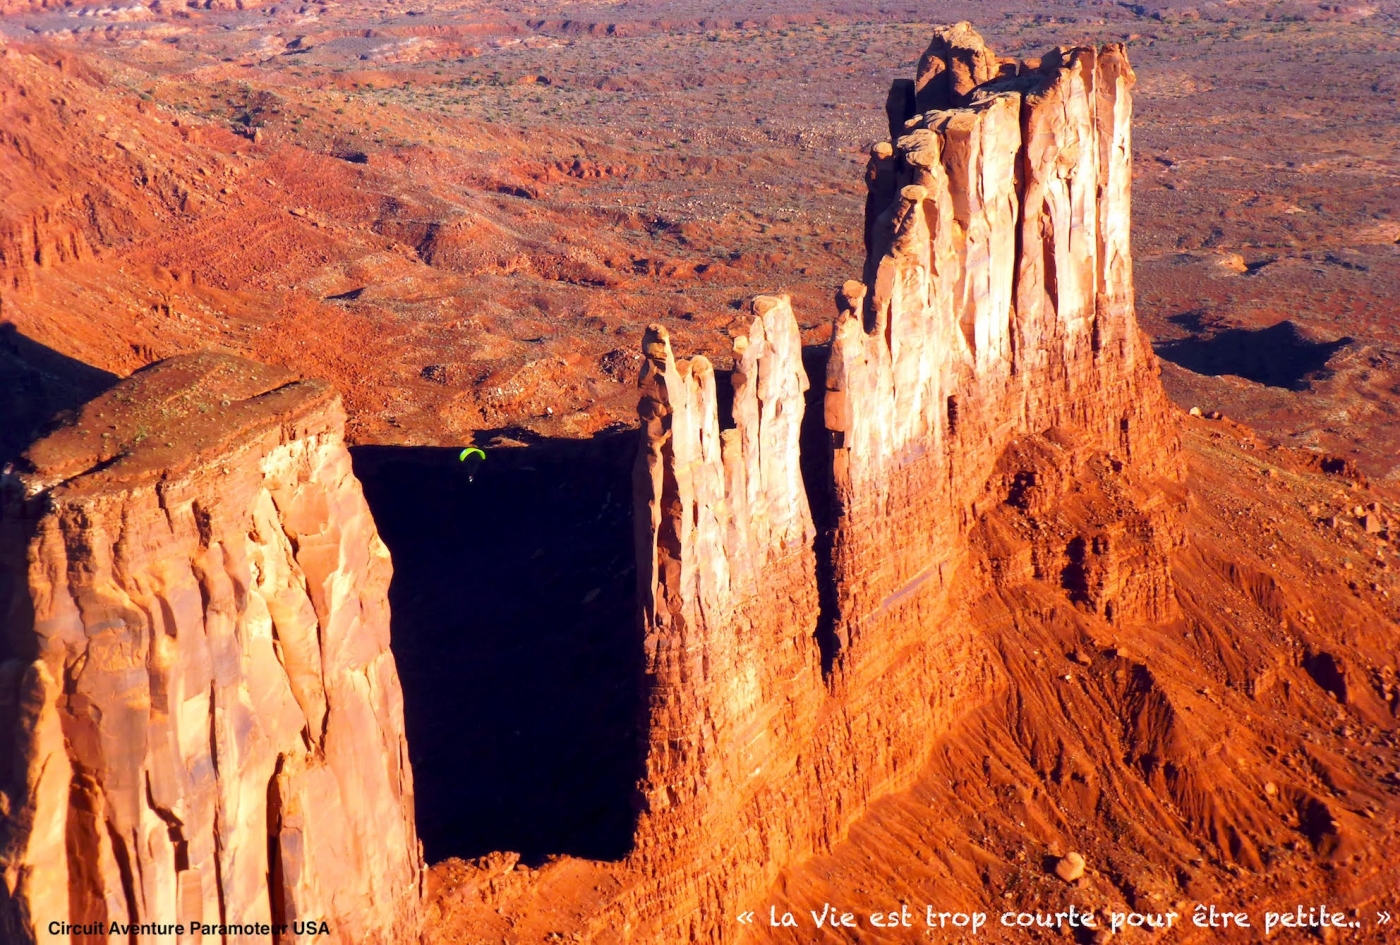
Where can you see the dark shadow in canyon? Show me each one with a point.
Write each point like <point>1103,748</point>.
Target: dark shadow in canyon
<point>1277,356</point>
<point>36,384</point>
<point>815,458</point>
<point>517,640</point>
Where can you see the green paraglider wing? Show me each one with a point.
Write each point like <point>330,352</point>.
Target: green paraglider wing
<point>471,459</point>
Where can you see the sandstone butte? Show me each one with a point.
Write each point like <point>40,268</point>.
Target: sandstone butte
<point>995,318</point>
<point>201,715</point>
<point>992,590</point>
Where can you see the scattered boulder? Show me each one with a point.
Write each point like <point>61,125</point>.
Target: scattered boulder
<point>1070,867</point>
<point>1232,262</point>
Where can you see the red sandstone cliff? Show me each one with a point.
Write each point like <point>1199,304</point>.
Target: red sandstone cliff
<point>1004,635</point>
<point>726,567</point>
<point>970,336</point>
<point>202,716</point>
<point>999,305</point>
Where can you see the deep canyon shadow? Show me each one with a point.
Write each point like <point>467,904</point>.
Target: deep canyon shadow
<point>36,383</point>
<point>1277,356</point>
<point>516,637</point>
<point>815,458</point>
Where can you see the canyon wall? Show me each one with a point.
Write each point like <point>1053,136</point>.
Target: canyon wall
<point>725,565</point>
<point>795,680</point>
<point>201,716</point>
<point>998,304</point>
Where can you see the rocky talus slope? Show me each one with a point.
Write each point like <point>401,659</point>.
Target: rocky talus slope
<point>201,715</point>
<point>841,651</point>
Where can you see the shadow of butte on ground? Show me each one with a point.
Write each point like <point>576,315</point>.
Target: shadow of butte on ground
<point>36,383</point>
<point>1278,356</point>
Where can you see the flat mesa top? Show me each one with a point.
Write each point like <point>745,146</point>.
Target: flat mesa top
<point>168,417</point>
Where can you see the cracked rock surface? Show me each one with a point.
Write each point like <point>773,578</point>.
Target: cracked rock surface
<point>202,717</point>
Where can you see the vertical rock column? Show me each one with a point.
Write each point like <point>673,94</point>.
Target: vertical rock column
<point>921,359</point>
<point>1118,343</point>
<point>1056,272</point>
<point>997,303</point>
<point>729,606</point>
<point>204,716</point>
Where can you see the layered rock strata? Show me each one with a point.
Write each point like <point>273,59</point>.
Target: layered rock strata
<point>202,717</point>
<point>996,304</point>
<point>725,565</point>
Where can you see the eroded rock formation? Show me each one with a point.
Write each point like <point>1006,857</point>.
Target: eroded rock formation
<point>997,306</point>
<point>725,566</point>
<point>201,716</point>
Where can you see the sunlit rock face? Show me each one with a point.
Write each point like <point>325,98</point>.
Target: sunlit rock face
<point>725,564</point>
<point>796,679</point>
<point>202,717</point>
